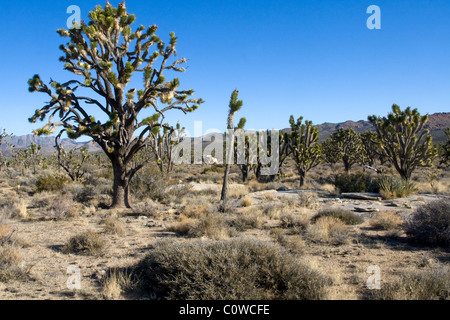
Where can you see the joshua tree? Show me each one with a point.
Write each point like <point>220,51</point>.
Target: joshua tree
<point>305,149</point>
<point>105,53</point>
<point>3,135</point>
<point>162,144</point>
<point>330,154</point>
<point>404,141</point>
<point>345,145</point>
<point>72,161</point>
<point>371,147</point>
<point>234,105</point>
<point>445,149</point>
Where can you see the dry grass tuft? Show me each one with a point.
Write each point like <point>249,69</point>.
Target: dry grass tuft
<point>117,282</point>
<point>89,243</point>
<point>114,226</point>
<point>386,221</point>
<point>329,230</point>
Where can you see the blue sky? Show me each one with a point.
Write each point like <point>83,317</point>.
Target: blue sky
<point>310,58</point>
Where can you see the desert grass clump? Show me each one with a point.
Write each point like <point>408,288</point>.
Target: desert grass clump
<point>328,230</point>
<point>430,224</point>
<point>117,282</point>
<point>245,222</point>
<point>238,269</point>
<point>347,217</point>
<point>394,187</point>
<point>197,210</point>
<point>386,221</point>
<point>295,221</point>
<point>246,202</point>
<point>431,284</point>
<point>113,226</point>
<point>211,225</point>
<point>88,243</point>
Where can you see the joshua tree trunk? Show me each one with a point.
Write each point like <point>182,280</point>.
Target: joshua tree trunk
<point>302,175</point>
<point>120,186</point>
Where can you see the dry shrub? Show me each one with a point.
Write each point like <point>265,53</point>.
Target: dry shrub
<point>228,269</point>
<point>347,217</point>
<point>197,210</point>
<point>432,284</point>
<point>237,191</point>
<point>183,226</point>
<point>273,210</point>
<point>147,208</point>
<point>88,243</point>
<point>247,221</point>
<point>430,224</point>
<point>307,199</point>
<point>114,226</point>
<point>294,243</point>
<point>295,221</point>
<point>212,226</point>
<point>15,208</point>
<point>63,207</point>
<point>386,221</point>
<point>11,263</point>
<point>328,230</point>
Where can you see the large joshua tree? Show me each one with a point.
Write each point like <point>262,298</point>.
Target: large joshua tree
<point>404,141</point>
<point>105,53</point>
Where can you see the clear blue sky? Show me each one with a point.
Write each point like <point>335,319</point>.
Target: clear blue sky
<point>313,58</point>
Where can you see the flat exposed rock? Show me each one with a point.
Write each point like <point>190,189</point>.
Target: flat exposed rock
<point>359,209</point>
<point>362,196</point>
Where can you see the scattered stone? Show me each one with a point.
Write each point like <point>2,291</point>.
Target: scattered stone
<point>283,188</point>
<point>142,218</point>
<point>99,275</point>
<point>155,224</point>
<point>401,204</point>
<point>362,196</point>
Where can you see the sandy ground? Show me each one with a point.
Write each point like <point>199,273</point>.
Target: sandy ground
<point>41,242</point>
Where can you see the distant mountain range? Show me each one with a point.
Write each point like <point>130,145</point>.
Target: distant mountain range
<point>437,124</point>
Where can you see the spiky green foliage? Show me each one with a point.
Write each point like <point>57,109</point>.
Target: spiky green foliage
<point>105,53</point>
<point>404,141</point>
<point>345,145</point>
<point>369,140</point>
<point>445,149</point>
<point>303,142</point>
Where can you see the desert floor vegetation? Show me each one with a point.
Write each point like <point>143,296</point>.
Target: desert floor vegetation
<point>122,253</point>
